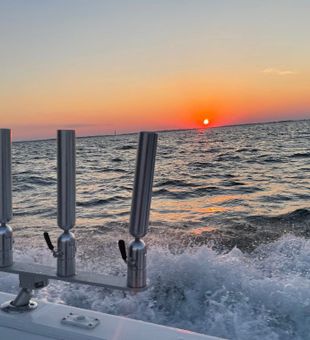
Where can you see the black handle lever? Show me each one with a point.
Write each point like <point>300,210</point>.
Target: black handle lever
<point>48,241</point>
<point>122,249</point>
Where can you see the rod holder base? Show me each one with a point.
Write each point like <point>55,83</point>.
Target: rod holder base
<point>66,250</point>
<point>23,303</point>
<point>136,264</point>
<point>9,307</point>
<point>6,246</point>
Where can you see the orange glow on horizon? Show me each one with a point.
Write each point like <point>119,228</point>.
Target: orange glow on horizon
<point>96,110</point>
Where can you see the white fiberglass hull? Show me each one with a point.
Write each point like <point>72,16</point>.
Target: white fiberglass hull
<point>46,322</point>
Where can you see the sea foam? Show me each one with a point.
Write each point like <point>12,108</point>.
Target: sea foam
<point>262,295</point>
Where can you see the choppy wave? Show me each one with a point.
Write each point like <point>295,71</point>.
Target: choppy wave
<point>301,155</point>
<point>128,147</point>
<point>175,183</point>
<point>256,230</point>
<point>296,216</point>
<point>98,202</point>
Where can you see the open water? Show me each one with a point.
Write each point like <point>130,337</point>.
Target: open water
<point>228,244</point>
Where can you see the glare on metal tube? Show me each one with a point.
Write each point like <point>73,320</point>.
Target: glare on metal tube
<point>5,176</point>
<point>142,191</point>
<point>66,178</point>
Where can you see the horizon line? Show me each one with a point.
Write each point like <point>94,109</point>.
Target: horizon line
<point>169,130</point>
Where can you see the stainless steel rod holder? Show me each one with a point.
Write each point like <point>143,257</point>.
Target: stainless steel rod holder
<point>66,202</point>
<point>35,276</point>
<point>6,235</point>
<point>140,209</point>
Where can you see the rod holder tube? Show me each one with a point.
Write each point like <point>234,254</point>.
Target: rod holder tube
<point>66,194</point>
<point>66,179</point>
<point>6,234</point>
<point>142,191</point>
<point>5,176</point>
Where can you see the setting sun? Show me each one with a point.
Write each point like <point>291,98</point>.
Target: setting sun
<point>206,121</point>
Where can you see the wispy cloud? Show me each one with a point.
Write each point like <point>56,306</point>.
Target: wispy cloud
<point>278,72</point>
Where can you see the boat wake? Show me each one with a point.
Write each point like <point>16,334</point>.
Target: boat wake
<point>259,295</point>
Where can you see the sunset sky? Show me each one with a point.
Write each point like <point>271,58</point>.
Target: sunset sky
<point>99,66</point>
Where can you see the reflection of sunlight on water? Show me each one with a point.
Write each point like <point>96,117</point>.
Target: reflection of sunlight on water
<point>222,198</point>
<point>201,230</point>
<point>174,210</point>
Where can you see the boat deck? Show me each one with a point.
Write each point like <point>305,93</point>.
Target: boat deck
<point>54,321</point>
